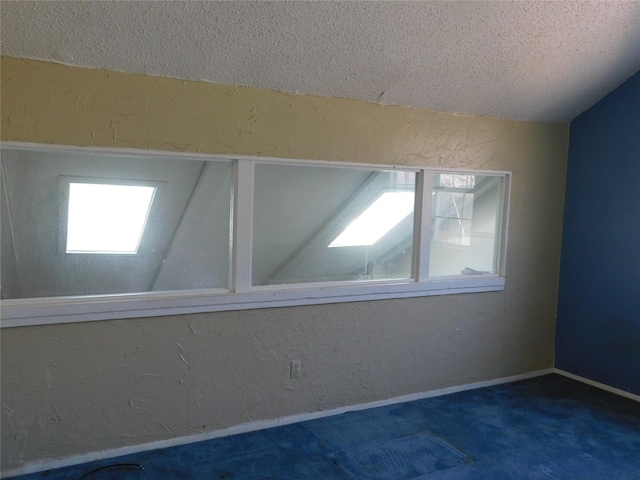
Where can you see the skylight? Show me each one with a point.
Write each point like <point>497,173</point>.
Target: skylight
<point>381,216</point>
<point>107,218</point>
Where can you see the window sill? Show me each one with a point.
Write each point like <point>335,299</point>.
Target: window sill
<point>46,311</point>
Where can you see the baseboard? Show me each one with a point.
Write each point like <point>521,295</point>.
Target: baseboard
<point>259,425</point>
<point>602,386</point>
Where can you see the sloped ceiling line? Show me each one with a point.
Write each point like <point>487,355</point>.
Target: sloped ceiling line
<point>9,224</point>
<point>527,60</point>
<point>196,186</point>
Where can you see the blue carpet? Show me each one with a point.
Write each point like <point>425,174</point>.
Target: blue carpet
<point>546,428</point>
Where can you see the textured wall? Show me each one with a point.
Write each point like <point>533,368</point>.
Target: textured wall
<point>599,299</point>
<point>71,389</point>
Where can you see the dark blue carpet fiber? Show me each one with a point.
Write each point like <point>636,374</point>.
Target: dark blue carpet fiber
<point>543,428</point>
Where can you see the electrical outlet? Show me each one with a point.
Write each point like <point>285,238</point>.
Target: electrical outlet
<point>295,369</point>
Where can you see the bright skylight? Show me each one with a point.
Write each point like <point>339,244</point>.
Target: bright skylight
<point>381,216</point>
<point>107,218</point>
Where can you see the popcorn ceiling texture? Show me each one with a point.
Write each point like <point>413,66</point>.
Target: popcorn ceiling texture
<point>79,388</point>
<point>529,60</point>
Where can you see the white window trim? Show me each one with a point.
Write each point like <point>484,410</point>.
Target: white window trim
<point>242,296</point>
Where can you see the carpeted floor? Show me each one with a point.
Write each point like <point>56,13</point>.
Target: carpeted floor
<point>544,428</point>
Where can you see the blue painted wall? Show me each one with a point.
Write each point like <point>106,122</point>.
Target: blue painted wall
<point>598,329</point>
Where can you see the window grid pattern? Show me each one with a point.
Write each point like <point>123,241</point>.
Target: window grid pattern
<point>450,197</point>
<point>453,209</point>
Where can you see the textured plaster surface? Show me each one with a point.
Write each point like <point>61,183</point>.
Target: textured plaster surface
<point>529,60</point>
<point>78,388</point>
<point>547,427</point>
<point>598,332</point>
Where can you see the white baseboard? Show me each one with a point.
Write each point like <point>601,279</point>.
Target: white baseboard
<point>602,386</point>
<point>258,425</point>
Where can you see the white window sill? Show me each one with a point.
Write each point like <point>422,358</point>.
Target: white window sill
<point>45,311</point>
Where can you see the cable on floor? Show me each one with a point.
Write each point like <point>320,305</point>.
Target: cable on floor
<point>124,466</point>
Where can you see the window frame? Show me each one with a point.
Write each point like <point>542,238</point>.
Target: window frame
<point>243,295</point>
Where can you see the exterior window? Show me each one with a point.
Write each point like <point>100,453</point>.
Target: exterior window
<point>383,215</point>
<point>107,219</point>
<point>90,235</point>
<point>453,208</point>
<point>466,224</point>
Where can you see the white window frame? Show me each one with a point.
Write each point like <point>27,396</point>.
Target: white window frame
<point>242,295</point>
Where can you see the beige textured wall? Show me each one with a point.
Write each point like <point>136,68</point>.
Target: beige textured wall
<point>72,389</point>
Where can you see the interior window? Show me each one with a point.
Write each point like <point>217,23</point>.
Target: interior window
<point>87,224</point>
<point>90,235</point>
<point>322,224</point>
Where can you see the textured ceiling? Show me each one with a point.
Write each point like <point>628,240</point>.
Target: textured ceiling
<point>528,60</point>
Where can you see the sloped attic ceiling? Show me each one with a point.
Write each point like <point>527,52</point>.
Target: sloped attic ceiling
<point>528,60</point>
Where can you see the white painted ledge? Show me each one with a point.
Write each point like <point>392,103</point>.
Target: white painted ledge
<point>45,311</point>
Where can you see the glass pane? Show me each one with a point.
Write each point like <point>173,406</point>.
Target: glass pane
<point>185,234</point>
<point>443,204</point>
<point>106,218</point>
<point>466,220</point>
<point>318,224</point>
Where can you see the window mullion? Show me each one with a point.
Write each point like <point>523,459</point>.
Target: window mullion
<point>243,224</point>
<point>422,229</point>
<point>501,255</point>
